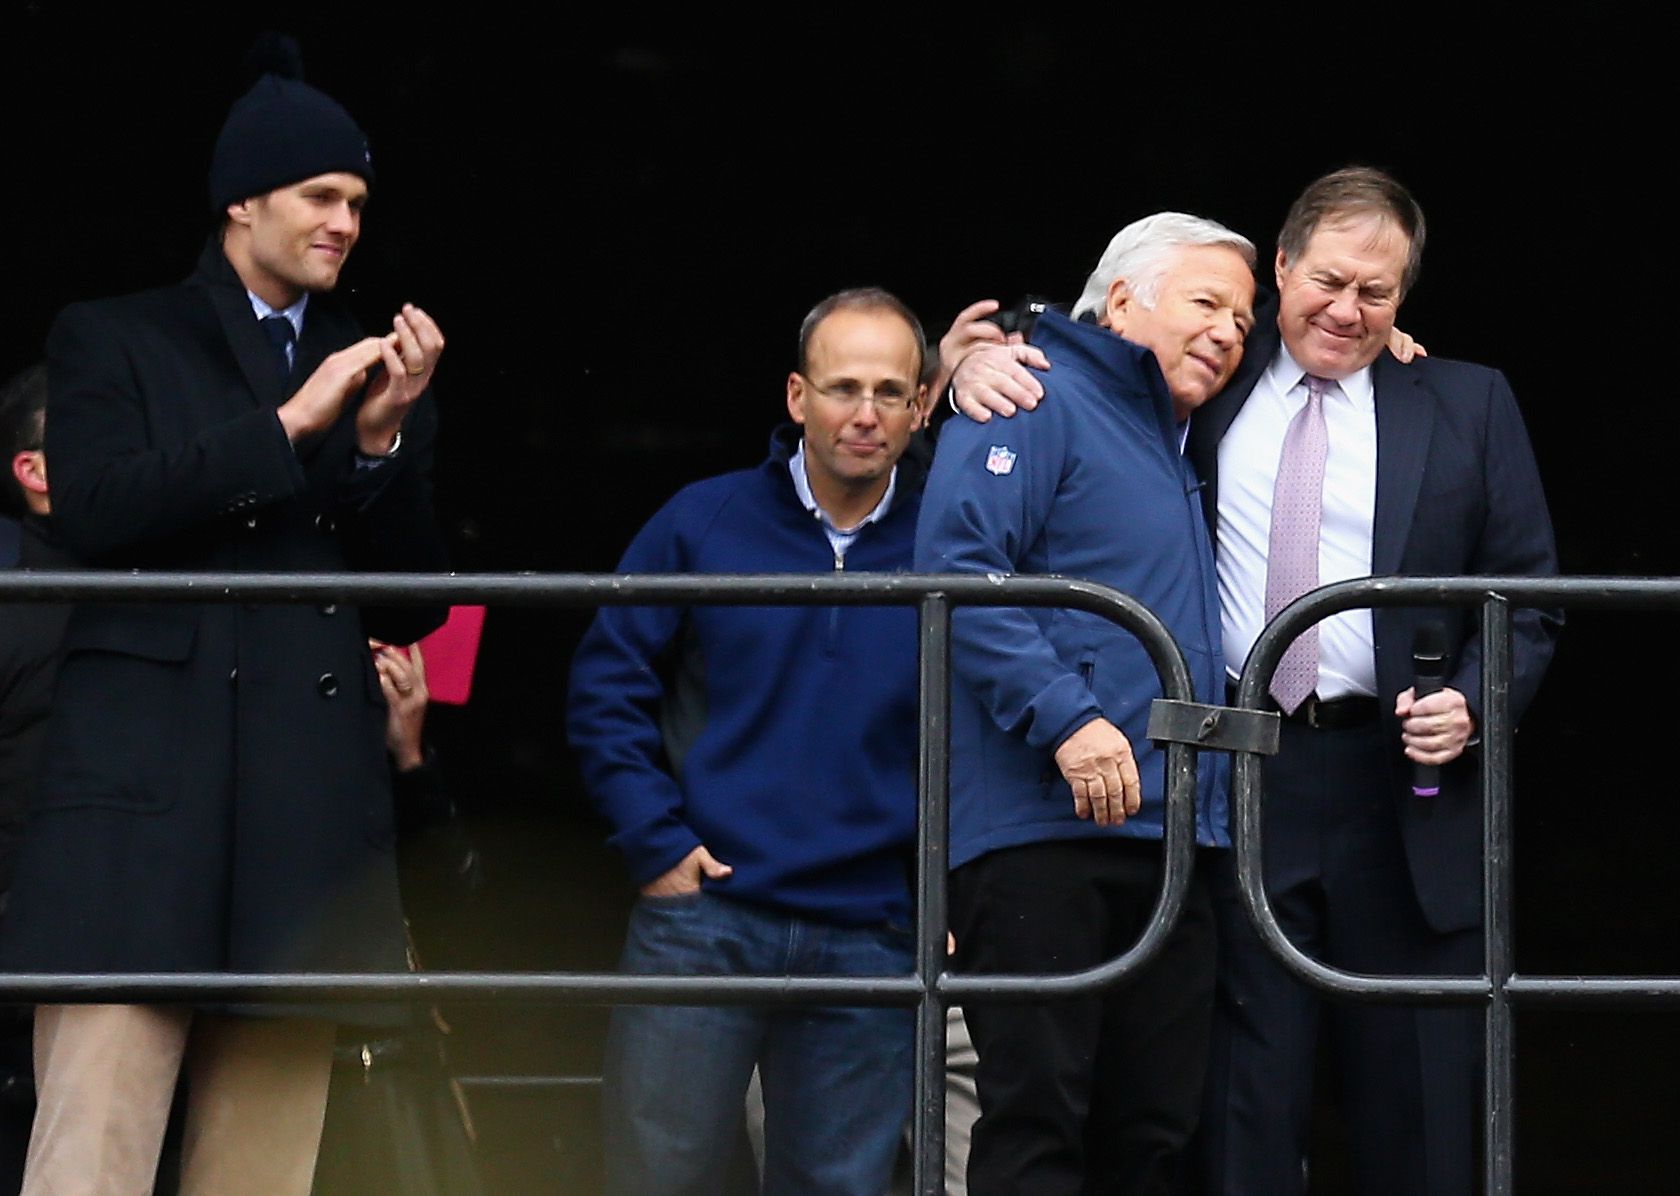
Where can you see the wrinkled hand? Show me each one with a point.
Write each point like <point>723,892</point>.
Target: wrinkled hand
<point>1098,763</point>
<point>317,404</point>
<point>685,877</point>
<point>1435,729</point>
<point>410,354</point>
<point>402,678</point>
<point>995,378</point>
<point>968,332</point>
<point>1403,346</point>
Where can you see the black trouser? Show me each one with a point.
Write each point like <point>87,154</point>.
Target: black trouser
<point>1091,1094</point>
<point>1340,887</point>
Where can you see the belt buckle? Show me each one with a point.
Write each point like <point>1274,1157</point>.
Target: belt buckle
<point>1309,709</point>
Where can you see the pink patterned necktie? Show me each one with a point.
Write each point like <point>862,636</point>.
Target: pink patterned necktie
<point>1292,554</point>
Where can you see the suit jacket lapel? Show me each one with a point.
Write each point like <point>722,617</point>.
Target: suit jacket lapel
<point>1405,423</point>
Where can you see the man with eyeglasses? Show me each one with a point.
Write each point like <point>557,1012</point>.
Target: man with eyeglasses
<point>757,767</point>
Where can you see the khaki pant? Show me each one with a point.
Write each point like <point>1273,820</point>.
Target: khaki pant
<point>105,1077</point>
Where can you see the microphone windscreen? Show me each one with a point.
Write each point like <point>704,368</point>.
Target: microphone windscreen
<point>1430,641</point>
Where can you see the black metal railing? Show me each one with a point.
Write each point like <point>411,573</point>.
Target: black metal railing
<point>1500,984</point>
<point>929,988</point>
<point>1177,719</point>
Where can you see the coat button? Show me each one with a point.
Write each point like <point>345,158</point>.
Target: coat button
<point>329,608</point>
<point>233,674</point>
<point>325,524</point>
<point>327,686</point>
<point>251,524</point>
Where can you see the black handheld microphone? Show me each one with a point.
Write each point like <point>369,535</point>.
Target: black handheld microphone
<point>1429,665</point>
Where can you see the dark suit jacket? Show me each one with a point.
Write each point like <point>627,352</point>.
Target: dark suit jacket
<point>1457,493</point>
<point>215,790</point>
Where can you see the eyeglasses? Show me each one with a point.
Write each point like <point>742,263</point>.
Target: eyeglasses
<point>889,397</point>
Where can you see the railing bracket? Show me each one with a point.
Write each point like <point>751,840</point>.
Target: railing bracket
<point>1214,728</point>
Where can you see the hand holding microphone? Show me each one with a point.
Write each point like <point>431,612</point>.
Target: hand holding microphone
<point>1429,666</point>
<point>1435,719</point>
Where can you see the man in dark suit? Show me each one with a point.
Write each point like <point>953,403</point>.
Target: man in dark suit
<point>215,793</point>
<point>1426,469</point>
<point>1420,468</point>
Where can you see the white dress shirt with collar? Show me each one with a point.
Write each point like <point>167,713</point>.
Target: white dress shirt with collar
<point>1248,465</point>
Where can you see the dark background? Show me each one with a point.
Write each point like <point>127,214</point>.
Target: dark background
<point>619,224</point>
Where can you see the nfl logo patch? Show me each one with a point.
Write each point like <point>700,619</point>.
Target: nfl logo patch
<point>999,460</point>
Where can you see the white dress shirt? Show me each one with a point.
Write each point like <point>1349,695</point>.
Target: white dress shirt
<point>1248,465</point>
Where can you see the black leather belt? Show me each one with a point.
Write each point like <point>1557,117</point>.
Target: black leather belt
<point>1353,711</point>
<point>1315,712</point>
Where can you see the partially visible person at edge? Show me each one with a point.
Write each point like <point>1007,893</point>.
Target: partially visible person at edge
<point>757,767</point>
<point>214,794</point>
<point>30,634</point>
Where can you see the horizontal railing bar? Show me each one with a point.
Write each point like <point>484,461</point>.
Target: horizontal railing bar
<point>567,589</point>
<point>777,589</point>
<point>1609,990</point>
<point>1620,593</point>
<point>557,987</point>
<point>614,988</point>
<point>554,987</point>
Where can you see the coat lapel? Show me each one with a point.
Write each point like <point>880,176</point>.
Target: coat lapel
<point>1405,423</point>
<point>319,339</point>
<point>251,349</point>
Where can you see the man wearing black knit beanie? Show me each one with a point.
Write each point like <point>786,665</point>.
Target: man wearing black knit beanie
<point>214,795</point>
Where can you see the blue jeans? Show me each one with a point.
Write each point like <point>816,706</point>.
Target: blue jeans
<point>837,1082</point>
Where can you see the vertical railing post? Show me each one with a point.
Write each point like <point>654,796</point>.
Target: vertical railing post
<point>1500,1080</point>
<point>932,839</point>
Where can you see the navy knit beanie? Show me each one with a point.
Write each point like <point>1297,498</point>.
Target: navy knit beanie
<point>281,132</point>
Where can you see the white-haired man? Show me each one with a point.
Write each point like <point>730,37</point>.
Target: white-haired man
<point>1056,792</point>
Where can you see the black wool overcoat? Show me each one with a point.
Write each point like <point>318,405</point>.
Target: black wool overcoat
<point>215,792</point>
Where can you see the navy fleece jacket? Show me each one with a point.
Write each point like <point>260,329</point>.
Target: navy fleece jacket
<point>1092,484</point>
<point>781,738</point>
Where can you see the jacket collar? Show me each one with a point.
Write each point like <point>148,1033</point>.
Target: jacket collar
<point>1118,364</point>
<point>227,295</point>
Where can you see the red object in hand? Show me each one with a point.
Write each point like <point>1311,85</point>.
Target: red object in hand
<point>450,653</point>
